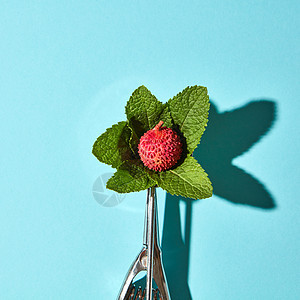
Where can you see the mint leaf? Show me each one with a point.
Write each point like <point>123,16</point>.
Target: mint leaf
<point>189,110</point>
<point>133,142</point>
<point>188,180</point>
<point>143,110</point>
<point>129,178</point>
<point>112,147</point>
<point>166,116</point>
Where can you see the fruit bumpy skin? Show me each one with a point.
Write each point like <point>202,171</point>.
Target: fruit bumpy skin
<point>160,148</point>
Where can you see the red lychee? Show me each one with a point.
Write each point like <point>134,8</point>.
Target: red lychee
<point>160,148</point>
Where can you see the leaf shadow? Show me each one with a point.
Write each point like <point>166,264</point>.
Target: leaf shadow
<point>227,136</point>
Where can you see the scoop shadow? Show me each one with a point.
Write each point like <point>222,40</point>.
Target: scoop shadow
<point>227,136</point>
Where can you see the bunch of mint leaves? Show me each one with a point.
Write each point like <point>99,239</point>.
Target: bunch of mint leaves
<point>187,114</point>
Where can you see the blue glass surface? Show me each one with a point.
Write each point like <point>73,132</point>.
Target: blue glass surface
<point>67,69</point>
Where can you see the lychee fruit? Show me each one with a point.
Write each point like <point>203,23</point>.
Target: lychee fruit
<point>160,148</point>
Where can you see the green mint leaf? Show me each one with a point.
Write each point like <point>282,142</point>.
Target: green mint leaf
<point>166,116</point>
<point>188,180</point>
<point>189,110</point>
<point>133,142</point>
<point>143,110</point>
<point>129,178</point>
<point>112,147</point>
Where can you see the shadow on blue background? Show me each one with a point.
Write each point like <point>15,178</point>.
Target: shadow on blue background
<point>228,135</point>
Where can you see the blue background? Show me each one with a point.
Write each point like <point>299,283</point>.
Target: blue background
<point>67,69</point>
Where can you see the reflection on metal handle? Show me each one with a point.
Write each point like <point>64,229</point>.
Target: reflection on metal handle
<point>150,236</point>
<point>149,259</point>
